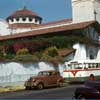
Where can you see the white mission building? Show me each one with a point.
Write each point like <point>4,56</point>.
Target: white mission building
<point>87,10</point>
<point>25,20</point>
<point>25,23</point>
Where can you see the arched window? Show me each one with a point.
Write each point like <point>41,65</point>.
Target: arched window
<point>36,20</point>
<point>30,19</point>
<point>24,19</point>
<point>12,20</point>
<point>17,19</point>
<point>91,54</point>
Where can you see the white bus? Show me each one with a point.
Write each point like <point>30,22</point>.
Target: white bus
<point>81,71</point>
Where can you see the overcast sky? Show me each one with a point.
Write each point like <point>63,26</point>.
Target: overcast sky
<point>49,10</point>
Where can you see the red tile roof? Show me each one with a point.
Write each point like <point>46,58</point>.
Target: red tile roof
<point>66,51</point>
<point>23,12</point>
<point>57,22</point>
<point>22,25</point>
<point>49,30</point>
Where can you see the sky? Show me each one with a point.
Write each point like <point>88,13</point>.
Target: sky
<point>49,10</point>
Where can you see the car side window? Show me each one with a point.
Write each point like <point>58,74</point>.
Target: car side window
<point>54,73</point>
<point>45,73</point>
<point>50,73</point>
<point>40,73</point>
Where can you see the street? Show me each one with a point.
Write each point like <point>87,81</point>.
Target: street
<point>50,93</point>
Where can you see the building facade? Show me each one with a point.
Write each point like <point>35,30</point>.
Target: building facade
<point>24,24</point>
<point>85,10</point>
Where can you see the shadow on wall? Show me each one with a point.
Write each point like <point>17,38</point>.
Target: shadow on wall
<point>12,72</point>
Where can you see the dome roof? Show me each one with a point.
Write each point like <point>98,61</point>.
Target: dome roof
<point>23,13</point>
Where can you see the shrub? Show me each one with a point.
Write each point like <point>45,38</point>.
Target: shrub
<point>24,58</point>
<point>23,51</point>
<point>51,51</point>
<point>37,56</point>
<point>45,57</point>
<point>10,56</point>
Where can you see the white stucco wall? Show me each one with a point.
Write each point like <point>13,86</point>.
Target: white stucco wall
<point>97,9</point>
<point>4,28</point>
<point>19,30</point>
<point>14,73</point>
<point>80,53</point>
<point>82,10</point>
<point>83,52</point>
<point>98,55</point>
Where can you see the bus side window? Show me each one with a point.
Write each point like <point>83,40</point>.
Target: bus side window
<point>85,67</point>
<point>89,65</point>
<point>99,65</point>
<point>96,65</point>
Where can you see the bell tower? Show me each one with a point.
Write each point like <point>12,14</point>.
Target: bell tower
<point>85,10</point>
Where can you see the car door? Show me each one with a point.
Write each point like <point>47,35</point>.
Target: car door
<point>54,78</point>
<point>47,79</point>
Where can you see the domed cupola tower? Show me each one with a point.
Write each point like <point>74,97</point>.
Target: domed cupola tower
<point>23,20</point>
<point>24,16</point>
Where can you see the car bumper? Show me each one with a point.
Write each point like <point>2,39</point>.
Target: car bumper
<point>30,84</point>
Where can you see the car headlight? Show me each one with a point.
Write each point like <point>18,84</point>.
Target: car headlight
<point>34,80</point>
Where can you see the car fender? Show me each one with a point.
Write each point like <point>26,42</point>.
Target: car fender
<point>60,80</point>
<point>39,81</point>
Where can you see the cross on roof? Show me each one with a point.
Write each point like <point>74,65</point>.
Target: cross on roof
<point>95,13</point>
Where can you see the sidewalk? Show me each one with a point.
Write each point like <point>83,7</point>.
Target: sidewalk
<point>20,87</point>
<point>11,88</point>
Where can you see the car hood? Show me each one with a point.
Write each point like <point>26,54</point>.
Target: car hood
<point>36,77</point>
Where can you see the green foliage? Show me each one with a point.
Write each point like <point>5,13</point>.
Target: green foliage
<point>10,56</point>
<point>51,51</point>
<point>28,57</point>
<point>45,57</point>
<point>1,53</point>
<point>36,56</point>
<point>23,51</point>
<point>59,42</point>
<point>23,58</point>
<point>47,46</point>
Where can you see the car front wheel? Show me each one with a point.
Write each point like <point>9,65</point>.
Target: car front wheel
<point>60,84</point>
<point>40,86</point>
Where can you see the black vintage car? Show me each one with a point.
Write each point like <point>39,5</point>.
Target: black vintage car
<point>90,90</point>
